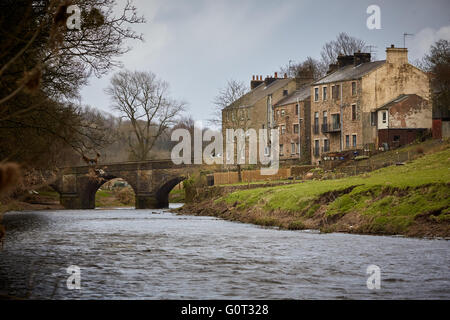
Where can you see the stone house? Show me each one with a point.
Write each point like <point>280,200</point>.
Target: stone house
<point>255,109</point>
<point>292,116</point>
<point>403,120</point>
<point>345,103</point>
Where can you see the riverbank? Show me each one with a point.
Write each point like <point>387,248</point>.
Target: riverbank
<point>410,200</point>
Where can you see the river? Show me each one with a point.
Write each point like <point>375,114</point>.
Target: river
<point>155,254</point>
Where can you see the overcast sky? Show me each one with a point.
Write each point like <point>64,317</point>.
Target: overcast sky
<point>197,45</point>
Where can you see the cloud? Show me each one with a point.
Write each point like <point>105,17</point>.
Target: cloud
<point>424,39</point>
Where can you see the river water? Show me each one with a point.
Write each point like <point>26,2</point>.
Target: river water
<point>155,254</point>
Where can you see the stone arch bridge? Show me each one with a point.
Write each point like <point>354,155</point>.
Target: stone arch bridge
<point>151,181</point>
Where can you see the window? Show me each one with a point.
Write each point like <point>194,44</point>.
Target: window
<point>354,140</point>
<point>347,141</point>
<point>316,94</point>
<point>232,116</point>
<point>384,116</point>
<point>316,148</point>
<point>336,121</point>
<point>298,148</point>
<point>248,114</point>
<point>285,93</point>
<point>353,88</point>
<point>316,122</point>
<point>292,148</point>
<point>266,151</point>
<point>242,115</point>
<point>283,113</point>
<point>325,93</point>
<point>373,118</point>
<point>396,138</point>
<point>353,112</point>
<point>263,126</point>
<point>281,150</point>
<point>295,128</point>
<point>297,109</point>
<point>326,145</point>
<point>283,129</point>
<point>335,91</point>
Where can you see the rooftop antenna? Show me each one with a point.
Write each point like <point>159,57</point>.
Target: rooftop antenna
<point>372,50</point>
<point>404,38</point>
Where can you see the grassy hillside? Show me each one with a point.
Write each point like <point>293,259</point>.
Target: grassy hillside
<point>412,199</point>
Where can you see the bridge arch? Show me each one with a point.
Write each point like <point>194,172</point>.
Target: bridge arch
<point>93,184</point>
<point>163,190</point>
<point>151,181</point>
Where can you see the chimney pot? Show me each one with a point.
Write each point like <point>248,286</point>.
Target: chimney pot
<point>253,78</point>
<point>285,75</point>
<point>276,75</point>
<point>392,46</point>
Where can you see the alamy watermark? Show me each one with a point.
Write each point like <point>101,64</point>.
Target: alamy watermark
<point>74,280</point>
<point>74,19</point>
<point>374,280</point>
<point>241,147</point>
<point>374,20</point>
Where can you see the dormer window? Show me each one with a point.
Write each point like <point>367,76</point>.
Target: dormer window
<point>285,92</point>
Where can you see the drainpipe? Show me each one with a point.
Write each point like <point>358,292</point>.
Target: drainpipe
<point>342,119</point>
<point>299,136</point>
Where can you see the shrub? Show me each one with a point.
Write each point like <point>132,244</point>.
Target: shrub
<point>125,196</point>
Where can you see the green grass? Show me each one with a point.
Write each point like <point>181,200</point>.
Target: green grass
<point>390,198</point>
<point>177,196</point>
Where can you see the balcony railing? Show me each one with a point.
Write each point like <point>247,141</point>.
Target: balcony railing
<point>331,127</point>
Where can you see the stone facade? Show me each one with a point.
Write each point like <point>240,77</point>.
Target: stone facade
<point>344,103</point>
<point>151,181</point>
<point>255,109</point>
<point>292,117</point>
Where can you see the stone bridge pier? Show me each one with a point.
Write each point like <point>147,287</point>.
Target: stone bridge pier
<point>151,181</point>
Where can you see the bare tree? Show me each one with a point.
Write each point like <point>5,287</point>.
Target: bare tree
<point>144,100</point>
<point>310,67</point>
<point>344,44</point>
<point>232,92</point>
<point>234,113</point>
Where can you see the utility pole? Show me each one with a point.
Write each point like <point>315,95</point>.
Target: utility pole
<point>404,38</point>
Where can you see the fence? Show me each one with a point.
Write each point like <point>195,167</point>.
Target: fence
<point>232,177</point>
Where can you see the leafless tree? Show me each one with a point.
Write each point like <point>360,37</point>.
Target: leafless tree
<point>309,67</point>
<point>344,44</point>
<point>232,105</point>
<point>144,100</point>
<point>232,92</point>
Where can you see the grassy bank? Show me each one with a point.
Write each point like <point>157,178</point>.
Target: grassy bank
<point>410,200</point>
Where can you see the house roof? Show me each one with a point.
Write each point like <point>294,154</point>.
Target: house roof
<point>391,103</point>
<point>298,95</point>
<point>350,72</point>
<point>259,92</point>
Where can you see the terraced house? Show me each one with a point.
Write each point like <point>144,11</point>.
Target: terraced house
<point>292,116</point>
<point>352,106</point>
<point>255,109</point>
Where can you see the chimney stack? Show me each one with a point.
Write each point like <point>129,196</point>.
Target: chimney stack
<point>396,55</point>
<point>256,81</point>
<point>344,61</point>
<point>361,57</point>
<point>332,68</point>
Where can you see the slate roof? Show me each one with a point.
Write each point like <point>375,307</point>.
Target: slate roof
<point>400,98</point>
<point>259,92</point>
<point>350,72</point>
<point>300,94</point>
